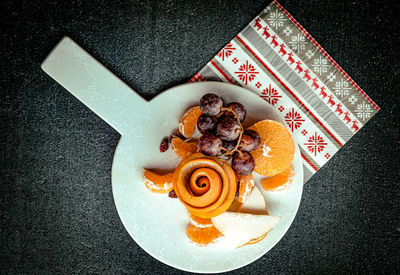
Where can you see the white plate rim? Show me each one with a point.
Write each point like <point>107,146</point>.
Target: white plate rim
<point>169,90</point>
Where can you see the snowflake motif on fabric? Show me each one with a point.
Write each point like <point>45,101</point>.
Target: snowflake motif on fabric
<point>320,65</point>
<point>316,144</point>
<point>342,88</point>
<point>276,19</point>
<point>247,72</point>
<point>293,119</point>
<point>270,95</point>
<point>352,99</point>
<point>327,155</point>
<point>309,54</point>
<point>363,111</point>
<point>287,31</point>
<point>331,77</point>
<point>226,51</point>
<point>267,9</point>
<point>298,42</point>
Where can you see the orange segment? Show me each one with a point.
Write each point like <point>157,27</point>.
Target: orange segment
<point>279,182</point>
<point>188,122</point>
<point>183,149</point>
<point>246,185</point>
<point>158,183</point>
<point>202,236</point>
<point>220,188</point>
<point>200,222</point>
<point>277,148</point>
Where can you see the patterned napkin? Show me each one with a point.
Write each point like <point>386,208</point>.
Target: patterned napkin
<point>275,57</point>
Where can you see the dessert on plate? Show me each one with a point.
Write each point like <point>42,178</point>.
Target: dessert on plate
<point>214,179</point>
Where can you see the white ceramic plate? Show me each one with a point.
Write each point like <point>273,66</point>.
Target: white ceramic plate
<point>156,222</point>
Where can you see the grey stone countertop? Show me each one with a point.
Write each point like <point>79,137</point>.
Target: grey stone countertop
<point>57,211</point>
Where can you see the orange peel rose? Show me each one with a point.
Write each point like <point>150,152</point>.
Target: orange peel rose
<point>205,185</point>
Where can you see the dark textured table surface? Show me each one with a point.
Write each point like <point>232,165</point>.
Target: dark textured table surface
<point>57,210</point>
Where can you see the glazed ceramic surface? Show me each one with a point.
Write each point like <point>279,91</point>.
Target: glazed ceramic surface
<point>156,222</point>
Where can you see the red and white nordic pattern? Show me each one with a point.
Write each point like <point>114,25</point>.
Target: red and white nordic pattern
<point>226,51</point>
<point>315,144</point>
<point>241,63</point>
<point>226,68</point>
<point>308,76</point>
<point>270,94</point>
<point>319,47</point>
<point>293,119</point>
<point>246,72</point>
<point>196,78</point>
<point>294,97</point>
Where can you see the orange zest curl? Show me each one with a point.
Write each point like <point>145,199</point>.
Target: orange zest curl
<point>205,185</point>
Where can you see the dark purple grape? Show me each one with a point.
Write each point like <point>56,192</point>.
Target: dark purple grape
<point>206,123</point>
<point>239,110</point>
<point>228,128</point>
<point>250,141</point>
<point>209,144</point>
<point>256,136</point>
<point>246,143</point>
<point>210,104</point>
<point>243,164</point>
<point>230,145</point>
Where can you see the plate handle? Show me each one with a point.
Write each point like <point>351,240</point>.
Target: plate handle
<point>94,85</point>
